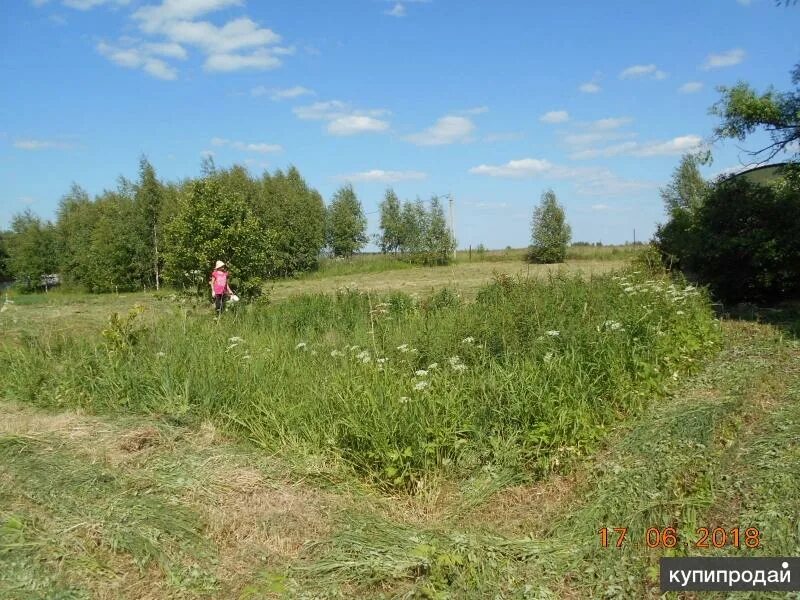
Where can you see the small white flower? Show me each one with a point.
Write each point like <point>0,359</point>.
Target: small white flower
<point>454,360</point>
<point>161,354</point>
<point>380,361</point>
<point>680,312</point>
<point>460,367</point>
<point>629,289</point>
<point>548,357</point>
<point>433,366</point>
<point>363,356</point>
<point>301,346</point>
<point>553,333</point>
<point>468,340</point>
<point>235,340</point>
<point>403,347</point>
<point>421,373</point>
<point>404,399</point>
<point>421,385</point>
<point>335,353</point>
<point>231,347</point>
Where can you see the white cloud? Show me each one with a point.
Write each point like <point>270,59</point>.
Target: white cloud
<point>142,57</point>
<point>89,4</point>
<point>476,110</point>
<point>381,176</point>
<point>240,43</point>
<point>398,10</point>
<point>343,119</point>
<point>691,87</point>
<point>447,130</point>
<point>589,87</point>
<point>322,111</point>
<point>676,146</point>
<point>234,35</point>
<point>259,147</point>
<point>599,206</point>
<point>639,71</point>
<point>610,123</point>
<point>282,94</point>
<point>153,17</point>
<point>169,50</point>
<point>34,144</point>
<point>354,124</point>
<point>525,167</point>
<point>724,59</point>
<point>589,181</point>
<point>555,116</point>
<point>261,59</point>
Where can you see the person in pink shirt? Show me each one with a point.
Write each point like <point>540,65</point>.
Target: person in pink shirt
<point>219,286</point>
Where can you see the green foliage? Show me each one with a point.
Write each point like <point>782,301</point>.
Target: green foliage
<point>295,214</point>
<point>391,223</point>
<point>748,241</point>
<point>525,379</point>
<point>32,249</point>
<point>148,200</point>
<point>5,273</point>
<point>744,111</point>
<point>550,233</point>
<point>424,236</point>
<point>346,223</point>
<point>216,223</point>
<point>742,240</point>
<point>687,189</point>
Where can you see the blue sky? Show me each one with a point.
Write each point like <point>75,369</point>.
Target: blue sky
<point>492,102</point>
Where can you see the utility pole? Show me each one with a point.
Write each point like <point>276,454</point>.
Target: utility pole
<point>452,225</point>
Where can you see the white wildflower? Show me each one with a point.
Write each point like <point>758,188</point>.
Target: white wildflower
<point>460,367</point>
<point>235,340</point>
<point>161,354</point>
<point>629,289</point>
<point>421,373</point>
<point>363,356</point>
<point>553,333</point>
<point>301,346</point>
<point>403,347</point>
<point>404,399</point>
<point>335,353</point>
<point>454,360</point>
<point>380,361</point>
<point>433,366</point>
<point>548,357</point>
<point>468,340</point>
<point>680,312</point>
<point>421,385</point>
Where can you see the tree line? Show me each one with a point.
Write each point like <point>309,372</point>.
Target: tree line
<point>147,233</point>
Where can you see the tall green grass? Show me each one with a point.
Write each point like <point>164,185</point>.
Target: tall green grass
<point>527,377</point>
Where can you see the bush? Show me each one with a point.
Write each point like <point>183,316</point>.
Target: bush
<point>743,241</point>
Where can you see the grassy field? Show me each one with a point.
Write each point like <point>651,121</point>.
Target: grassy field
<point>326,465</point>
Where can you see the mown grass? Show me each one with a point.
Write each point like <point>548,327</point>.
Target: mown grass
<point>526,378</point>
<point>719,449</point>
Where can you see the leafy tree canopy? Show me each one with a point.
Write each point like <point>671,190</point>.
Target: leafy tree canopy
<point>743,111</point>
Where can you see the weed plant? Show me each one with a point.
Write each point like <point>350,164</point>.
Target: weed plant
<point>526,378</point>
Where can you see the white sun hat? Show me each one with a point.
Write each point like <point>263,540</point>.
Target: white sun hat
<point>219,264</point>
